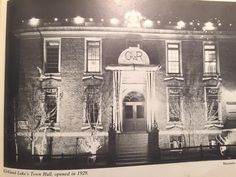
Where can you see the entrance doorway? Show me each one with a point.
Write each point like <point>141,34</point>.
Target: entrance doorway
<point>134,112</point>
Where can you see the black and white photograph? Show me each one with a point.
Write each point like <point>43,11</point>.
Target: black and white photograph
<point>93,84</point>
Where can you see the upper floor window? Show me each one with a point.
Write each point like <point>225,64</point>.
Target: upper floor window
<point>175,104</point>
<point>52,56</point>
<point>51,104</point>
<point>210,59</point>
<point>212,104</point>
<point>173,58</point>
<point>93,60</point>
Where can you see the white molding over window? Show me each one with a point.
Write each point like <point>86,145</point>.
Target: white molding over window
<point>174,45</point>
<point>92,39</point>
<point>45,55</point>
<point>211,46</point>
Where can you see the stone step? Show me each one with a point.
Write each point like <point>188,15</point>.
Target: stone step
<point>131,163</point>
<point>132,154</point>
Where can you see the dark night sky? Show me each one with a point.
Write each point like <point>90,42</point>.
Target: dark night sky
<point>153,9</point>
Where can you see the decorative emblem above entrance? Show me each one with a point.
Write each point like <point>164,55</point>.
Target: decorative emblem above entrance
<point>133,55</point>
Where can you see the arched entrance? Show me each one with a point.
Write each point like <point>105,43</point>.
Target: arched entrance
<point>134,112</point>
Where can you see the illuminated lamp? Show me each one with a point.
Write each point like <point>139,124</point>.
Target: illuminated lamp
<point>91,19</point>
<point>147,23</point>
<point>55,19</point>
<point>78,20</point>
<point>133,19</point>
<point>208,26</point>
<point>180,24</point>
<point>34,22</point>
<point>114,21</point>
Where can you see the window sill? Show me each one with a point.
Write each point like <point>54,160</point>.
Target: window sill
<point>56,76</point>
<point>214,123</point>
<point>178,77</point>
<point>174,124</point>
<point>207,77</point>
<point>92,76</point>
<point>86,126</point>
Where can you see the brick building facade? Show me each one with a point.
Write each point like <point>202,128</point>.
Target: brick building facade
<point>75,78</point>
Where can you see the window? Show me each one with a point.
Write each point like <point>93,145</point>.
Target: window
<point>174,104</point>
<point>51,95</point>
<point>210,59</point>
<point>93,56</point>
<point>175,142</point>
<point>52,56</point>
<point>231,108</point>
<point>212,104</point>
<point>173,58</point>
<point>92,108</point>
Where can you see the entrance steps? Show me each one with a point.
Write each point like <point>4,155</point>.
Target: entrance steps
<point>132,148</point>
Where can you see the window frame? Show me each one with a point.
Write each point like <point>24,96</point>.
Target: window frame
<point>57,101</point>
<point>181,104</point>
<point>180,73</point>
<point>45,56</point>
<point>99,118</point>
<point>217,72</point>
<point>206,106</point>
<point>86,72</point>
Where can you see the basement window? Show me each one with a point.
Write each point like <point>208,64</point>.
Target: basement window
<point>175,141</point>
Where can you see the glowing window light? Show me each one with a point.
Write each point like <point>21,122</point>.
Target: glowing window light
<point>208,26</point>
<point>34,22</point>
<point>78,20</point>
<point>114,21</point>
<point>180,24</point>
<point>133,19</point>
<point>147,23</point>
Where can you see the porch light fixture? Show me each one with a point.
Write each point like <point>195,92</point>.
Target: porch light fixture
<point>78,20</point>
<point>148,23</point>
<point>34,22</point>
<point>114,21</point>
<point>208,26</point>
<point>180,24</point>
